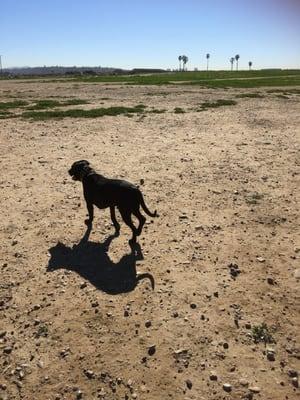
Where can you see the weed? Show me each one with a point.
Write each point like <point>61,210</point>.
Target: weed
<point>262,333</point>
<point>253,198</point>
<point>79,113</point>
<point>44,104</point>
<point>42,331</point>
<point>218,103</point>
<point>12,104</point>
<point>250,95</point>
<point>178,110</point>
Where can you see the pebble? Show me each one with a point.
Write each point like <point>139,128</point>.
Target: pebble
<point>213,376</point>
<point>295,382</point>
<point>254,389</point>
<point>227,387</point>
<point>193,306</point>
<point>243,382</point>
<point>271,281</point>
<point>292,373</point>
<point>297,273</point>
<point>7,350</point>
<point>90,374</point>
<point>83,285</point>
<point>260,259</point>
<point>152,350</point>
<point>189,384</point>
<point>271,354</point>
<point>148,324</point>
<point>79,394</point>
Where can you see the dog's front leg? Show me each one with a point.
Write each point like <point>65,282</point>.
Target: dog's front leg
<point>114,220</point>
<point>90,208</point>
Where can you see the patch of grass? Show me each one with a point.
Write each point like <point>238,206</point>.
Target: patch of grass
<point>254,198</point>
<point>217,79</point>
<point>157,111</point>
<point>42,331</point>
<point>79,113</point>
<point>282,96</point>
<point>179,110</point>
<point>250,95</point>
<point>6,114</point>
<point>284,91</point>
<point>44,104</point>
<point>218,103</point>
<point>12,104</point>
<point>262,333</point>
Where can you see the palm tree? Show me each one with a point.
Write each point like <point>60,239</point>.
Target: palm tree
<point>237,61</point>
<point>231,62</point>
<point>180,58</point>
<point>250,65</point>
<point>207,58</point>
<point>185,59</point>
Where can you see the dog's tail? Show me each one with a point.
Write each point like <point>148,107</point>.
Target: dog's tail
<point>146,275</point>
<point>145,208</point>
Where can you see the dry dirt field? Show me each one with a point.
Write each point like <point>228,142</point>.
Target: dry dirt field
<point>79,318</point>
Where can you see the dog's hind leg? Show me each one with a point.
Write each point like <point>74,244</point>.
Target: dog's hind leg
<point>126,215</point>
<point>114,220</point>
<point>141,219</point>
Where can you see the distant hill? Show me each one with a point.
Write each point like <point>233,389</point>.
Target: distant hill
<point>57,70</point>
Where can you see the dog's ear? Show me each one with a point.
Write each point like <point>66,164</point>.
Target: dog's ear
<point>83,162</point>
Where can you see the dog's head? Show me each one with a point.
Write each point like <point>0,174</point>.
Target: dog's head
<point>79,169</point>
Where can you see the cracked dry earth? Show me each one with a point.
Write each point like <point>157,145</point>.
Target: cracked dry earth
<point>79,318</point>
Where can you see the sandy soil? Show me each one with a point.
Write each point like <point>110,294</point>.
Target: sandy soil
<point>78,315</point>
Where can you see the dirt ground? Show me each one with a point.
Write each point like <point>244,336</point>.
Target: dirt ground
<point>79,318</point>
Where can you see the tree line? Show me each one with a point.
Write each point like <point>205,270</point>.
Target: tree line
<point>183,59</point>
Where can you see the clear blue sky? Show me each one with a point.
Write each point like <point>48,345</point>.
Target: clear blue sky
<point>152,33</point>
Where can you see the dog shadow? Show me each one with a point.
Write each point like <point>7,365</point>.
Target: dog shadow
<point>91,261</point>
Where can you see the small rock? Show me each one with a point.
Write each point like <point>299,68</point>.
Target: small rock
<point>295,382</point>
<point>90,374</point>
<point>254,389</point>
<point>292,373</point>
<point>227,387</point>
<point>126,313</point>
<point>83,285</point>
<point>271,281</point>
<point>297,273</point>
<point>79,394</point>
<point>152,350</point>
<point>189,384</point>
<point>2,334</point>
<point>7,350</point>
<point>193,306</point>
<point>213,376</point>
<point>243,382</point>
<point>148,324</point>
<point>260,259</point>
<point>271,354</point>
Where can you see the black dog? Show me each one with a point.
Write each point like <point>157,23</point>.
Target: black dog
<point>103,193</point>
